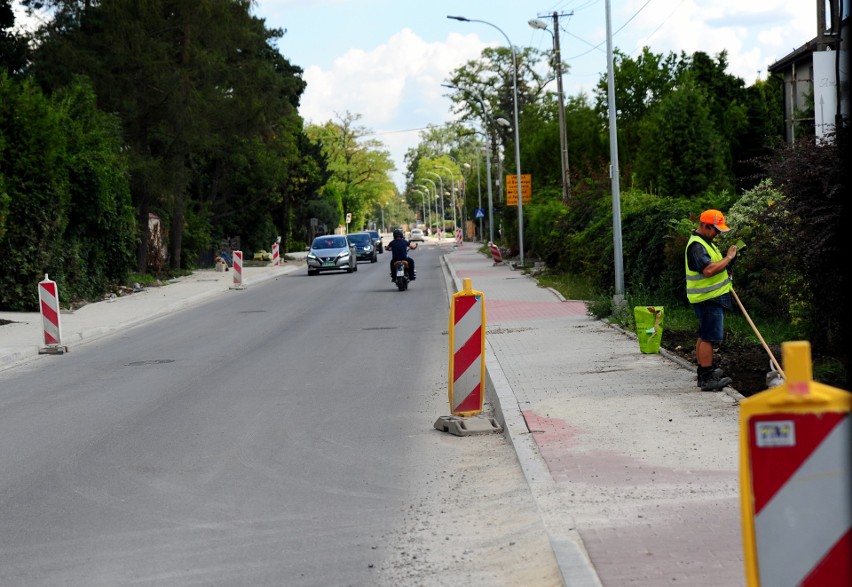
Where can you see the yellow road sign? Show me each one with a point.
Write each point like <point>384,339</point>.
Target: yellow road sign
<point>512,189</point>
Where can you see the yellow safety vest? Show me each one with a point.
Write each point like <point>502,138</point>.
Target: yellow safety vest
<point>700,288</point>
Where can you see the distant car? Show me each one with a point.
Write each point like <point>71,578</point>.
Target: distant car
<point>364,247</point>
<point>263,256</point>
<point>377,240</point>
<point>415,235</point>
<point>331,252</point>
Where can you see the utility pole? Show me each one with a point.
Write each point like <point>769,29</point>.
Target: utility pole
<point>557,66</point>
<point>563,138</point>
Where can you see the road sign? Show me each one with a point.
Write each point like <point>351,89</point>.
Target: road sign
<point>796,479</point>
<point>479,213</point>
<point>348,217</point>
<point>512,189</point>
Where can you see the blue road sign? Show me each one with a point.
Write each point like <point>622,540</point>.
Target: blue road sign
<point>479,213</point>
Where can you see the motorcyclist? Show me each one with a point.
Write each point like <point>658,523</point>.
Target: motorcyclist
<point>399,249</point>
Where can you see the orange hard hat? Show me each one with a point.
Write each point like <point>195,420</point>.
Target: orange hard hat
<point>715,218</point>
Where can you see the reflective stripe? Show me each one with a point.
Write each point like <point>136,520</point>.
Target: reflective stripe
<point>809,515</point>
<point>699,290</point>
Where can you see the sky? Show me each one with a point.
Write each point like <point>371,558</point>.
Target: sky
<point>385,60</point>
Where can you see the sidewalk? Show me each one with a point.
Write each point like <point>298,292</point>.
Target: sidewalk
<point>23,338</point>
<point>634,470</point>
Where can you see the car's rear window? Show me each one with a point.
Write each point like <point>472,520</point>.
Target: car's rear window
<point>361,238</point>
<point>329,242</point>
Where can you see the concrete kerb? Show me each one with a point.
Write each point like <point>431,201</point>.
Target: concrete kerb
<point>568,550</point>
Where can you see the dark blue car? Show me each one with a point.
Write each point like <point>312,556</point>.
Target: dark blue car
<point>364,247</point>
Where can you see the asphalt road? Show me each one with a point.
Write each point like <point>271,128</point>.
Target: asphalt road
<point>271,436</point>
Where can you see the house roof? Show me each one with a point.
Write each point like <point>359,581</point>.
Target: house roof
<point>803,52</point>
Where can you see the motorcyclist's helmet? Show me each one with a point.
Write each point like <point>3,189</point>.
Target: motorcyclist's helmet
<point>397,233</point>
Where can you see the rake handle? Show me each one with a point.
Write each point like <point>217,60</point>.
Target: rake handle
<point>763,342</point>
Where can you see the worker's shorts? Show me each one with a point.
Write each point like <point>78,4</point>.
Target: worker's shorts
<point>711,320</point>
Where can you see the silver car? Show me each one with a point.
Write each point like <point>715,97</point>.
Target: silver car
<point>332,252</point>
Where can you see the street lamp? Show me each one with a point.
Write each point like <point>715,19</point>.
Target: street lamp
<point>453,189</point>
<point>428,195</point>
<point>423,195</point>
<point>443,212</point>
<point>435,188</point>
<point>479,191</point>
<point>537,23</point>
<point>517,132</point>
<point>614,172</point>
<point>487,134</point>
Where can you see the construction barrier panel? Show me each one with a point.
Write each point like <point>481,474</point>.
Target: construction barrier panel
<point>48,295</point>
<point>496,254</point>
<point>649,327</point>
<point>796,480</point>
<point>467,351</point>
<point>459,236</point>
<point>238,269</point>
<point>275,261</point>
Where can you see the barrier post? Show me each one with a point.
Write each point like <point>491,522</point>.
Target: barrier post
<point>796,479</point>
<point>467,365</point>
<point>467,351</point>
<point>495,254</point>
<point>48,296</point>
<point>459,237</point>
<point>275,260</point>
<point>238,270</point>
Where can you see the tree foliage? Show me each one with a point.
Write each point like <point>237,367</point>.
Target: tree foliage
<point>189,81</point>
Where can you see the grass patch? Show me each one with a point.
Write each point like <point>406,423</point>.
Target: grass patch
<point>570,286</point>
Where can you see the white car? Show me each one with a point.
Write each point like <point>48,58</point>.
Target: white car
<point>415,235</point>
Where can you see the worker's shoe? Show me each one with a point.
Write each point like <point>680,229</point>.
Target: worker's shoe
<point>711,382</point>
<point>716,372</point>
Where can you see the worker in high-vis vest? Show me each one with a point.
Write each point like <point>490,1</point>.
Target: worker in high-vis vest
<point>708,288</point>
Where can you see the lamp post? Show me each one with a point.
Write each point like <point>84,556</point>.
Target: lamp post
<point>443,212</point>
<point>453,190</point>
<point>613,155</point>
<point>517,131</point>
<point>422,211</point>
<point>435,188</point>
<point>479,192</point>
<point>487,134</point>
<point>428,195</point>
<point>537,23</point>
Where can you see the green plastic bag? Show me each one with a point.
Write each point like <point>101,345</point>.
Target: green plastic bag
<point>649,327</point>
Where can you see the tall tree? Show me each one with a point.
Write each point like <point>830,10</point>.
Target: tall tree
<point>13,45</point>
<point>189,80</point>
<point>360,166</point>
<point>640,84</point>
<point>680,151</point>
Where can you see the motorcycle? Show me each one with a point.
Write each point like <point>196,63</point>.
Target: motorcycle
<point>400,272</point>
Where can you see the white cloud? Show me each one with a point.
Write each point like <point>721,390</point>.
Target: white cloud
<point>396,86</point>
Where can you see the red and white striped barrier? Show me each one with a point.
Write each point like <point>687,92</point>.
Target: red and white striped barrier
<point>495,254</point>
<point>238,270</point>
<point>796,477</point>
<point>48,295</point>
<point>459,237</point>
<point>275,260</point>
<point>467,351</point>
